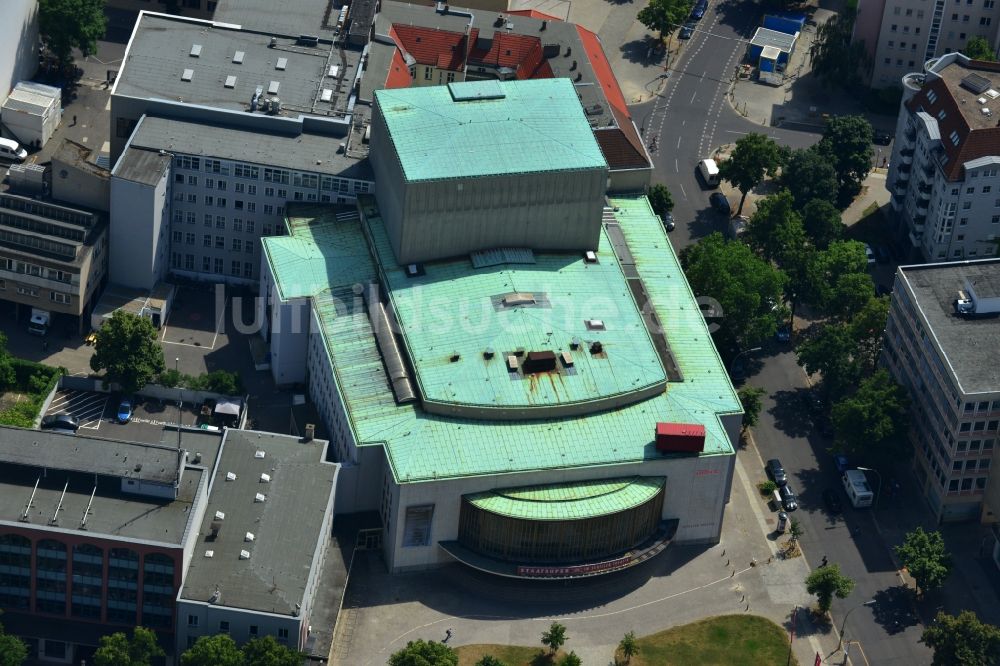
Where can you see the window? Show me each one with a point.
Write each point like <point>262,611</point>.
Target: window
<point>206,264</point>
<point>251,207</point>
<point>986,189</point>
<point>428,72</point>
<point>209,201</point>
<point>223,627</point>
<point>970,190</point>
<point>909,12</point>
<point>893,27</point>
<point>57,297</point>
<point>235,269</point>
<point>248,246</point>
<point>987,445</point>
<point>902,45</point>
<point>246,171</point>
<point>192,620</point>
<point>208,219</point>
<point>953,486</point>
<point>896,10</point>
<point>954,137</point>
<point>974,445</point>
<point>268,191</point>
<point>282,194</point>
<point>966,205</point>
<point>282,634</point>
<point>991,426</point>
<point>206,240</point>
<point>266,230</point>
<point>190,239</point>
<point>962,221</point>
<point>961,237</point>
<point>268,209</point>
<point>220,242</point>
<point>417,529</point>
<point>965,19</point>
<point>220,221</point>
<point>966,484</point>
<point>250,226</point>
<point>247,269</point>
<point>980,426</point>
<point>954,17</point>
<point>209,183</point>
<point>253,631</point>
<point>176,237</point>
<point>985,20</point>
<point>932,97</point>
<point>192,198</point>
<point>223,185</point>
<point>252,190</point>
<point>175,260</point>
<point>279,176</point>
<point>213,166</point>
<point>178,216</point>
<point>179,178</point>
<point>238,204</point>
<point>239,188</point>
<point>237,224</point>
<point>218,265</point>
<point>220,202</point>
<point>189,262</point>
<point>988,4</point>
<point>237,245</point>
<point>956,466</point>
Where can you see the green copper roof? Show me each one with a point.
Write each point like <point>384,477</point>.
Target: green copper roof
<point>485,128</point>
<point>421,446</point>
<point>455,310</point>
<point>569,501</point>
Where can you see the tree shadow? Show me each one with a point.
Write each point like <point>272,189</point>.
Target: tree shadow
<point>646,51</point>
<point>790,414</point>
<point>807,622</point>
<point>893,609</point>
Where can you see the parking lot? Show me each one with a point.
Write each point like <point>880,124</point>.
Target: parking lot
<point>195,319</point>
<point>97,412</point>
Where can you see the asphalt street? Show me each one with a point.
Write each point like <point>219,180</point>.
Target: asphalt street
<point>690,116</point>
<point>684,123</point>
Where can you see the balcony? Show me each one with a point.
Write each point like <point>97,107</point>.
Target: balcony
<point>925,189</point>
<point>928,170</point>
<point>899,188</point>
<point>922,203</point>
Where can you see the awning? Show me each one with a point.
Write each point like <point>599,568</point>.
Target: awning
<point>228,407</point>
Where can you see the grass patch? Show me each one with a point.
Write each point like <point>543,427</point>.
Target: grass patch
<point>514,655</point>
<point>727,640</point>
<point>31,383</point>
<point>872,207</point>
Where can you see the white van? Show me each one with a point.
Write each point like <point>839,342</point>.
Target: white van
<point>857,488</point>
<point>11,150</point>
<point>709,171</point>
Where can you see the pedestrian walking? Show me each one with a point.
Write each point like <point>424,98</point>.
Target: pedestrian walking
<point>447,635</point>
<point>74,120</point>
<point>823,563</point>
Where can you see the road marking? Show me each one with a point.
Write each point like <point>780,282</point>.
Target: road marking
<point>735,132</point>
<point>683,193</point>
<point>678,142</point>
<point>676,167</point>
<point>693,95</point>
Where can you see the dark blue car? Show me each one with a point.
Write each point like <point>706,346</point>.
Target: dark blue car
<point>699,10</point>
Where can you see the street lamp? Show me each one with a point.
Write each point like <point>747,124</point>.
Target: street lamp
<point>843,625</point>
<point>878,488</point>
<point>745,351</point>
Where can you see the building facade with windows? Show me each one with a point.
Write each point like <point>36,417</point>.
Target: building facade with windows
<point>944,174</point>
<point>237,120</point>
<point>947,363</point>
<point>527,407</point>
<point>52,257</point>
<point>911,32</point>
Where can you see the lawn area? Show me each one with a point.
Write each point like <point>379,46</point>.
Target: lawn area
<point>729,640</point>
<point>512,655</point>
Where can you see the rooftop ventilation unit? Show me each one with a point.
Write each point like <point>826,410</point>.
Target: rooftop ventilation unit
<point>334,70</point>
<point>567,359</point>
<point>981,100</point>
<point>260,497</point>
<point>230,476</point>
<point>574,343</point>
<point>975,84</point>
<point>195,51</point>
<point>594,324</point>
<point>187,75</point>
<point>219,515</point>
<point>265,478</point>
<point>281,64</point>
<point>248,537</point>
<point>541,361</point>
<point>244,554</point>
<point>488,353</point>
<point>272,87</point>
<point>518,298</point>
<point>308,40</point>
<point>992,94</point>
<point>590,257</point>
<point>209,553</point>
<point>326,95</point>
<point>259,454</point>
<point>230,81</point>
<point>238,57</point>
<point>596,347</point>
<point>512,363</point>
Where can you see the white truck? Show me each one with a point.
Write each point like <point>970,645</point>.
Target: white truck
<point>39,324</point>
<point>709,171</point>
<point>857,488</point>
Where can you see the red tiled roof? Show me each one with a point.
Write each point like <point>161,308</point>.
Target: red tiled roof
<point>399,73</point>
<point>602,69</point>
<point>972,143</point>
<point>534,13</point>
<point>429,46</point>
<point>508,50</point>
<point>622,145</point>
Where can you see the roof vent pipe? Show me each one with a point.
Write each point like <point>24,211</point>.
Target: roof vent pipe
<point>545,24</point>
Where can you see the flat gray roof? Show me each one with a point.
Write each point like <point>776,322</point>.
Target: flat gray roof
<point>282,18</point>
<point>142,166</point>
<point>779,40</point>
<point>112,511</point>
<point>79,453</point>
<point>286,526</point>
<point>316,153</point>
<point>969,345</point>
<point>162,47</point>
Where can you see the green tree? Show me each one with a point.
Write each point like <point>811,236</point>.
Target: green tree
<point>13,651</point>
<point>660,199</point>
<point>664,16</point>
<point>795,530</point>
<point>830,352</point>
<point>490,660</point>
<point>421,653</point>
<point>924,555</point>
<point>978,48</point>
<point>217,650</point>
<point>68,24</point>
<point>775,222</point>
<point>555,637</point>
<point>867,326</point>
<point>827,582</point>
<point>7,375</point>
<point>570,660</point>
<point>847,143</point>
<point>849,294</point>
<point>837,59</point>
<point>750,399</point>
<point>822,223</point>
<point>962,640</point>
<point>743,285</point>
<point>267,651</point>
<point>826,269</point>
<point>628,646</point>
<point>809,175</point>
<point>121,650</point>
<point>126,350</point>
<point>754,157</point>
<point>874,420</point>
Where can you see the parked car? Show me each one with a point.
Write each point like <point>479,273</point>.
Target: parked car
<point>784,333</point>
<point>699,10</point>
<point>832,501</point>
<point>842,463</point>
<point>782,522</point>
<point>776,471</point>
<point>687,31</point>
<point>668,221</point>
<point>720,203</point>
<point>788,499</point>
<point>60,422</point>
<point>881,137</point>
<point>125,411</point>
<point>869,254</point>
